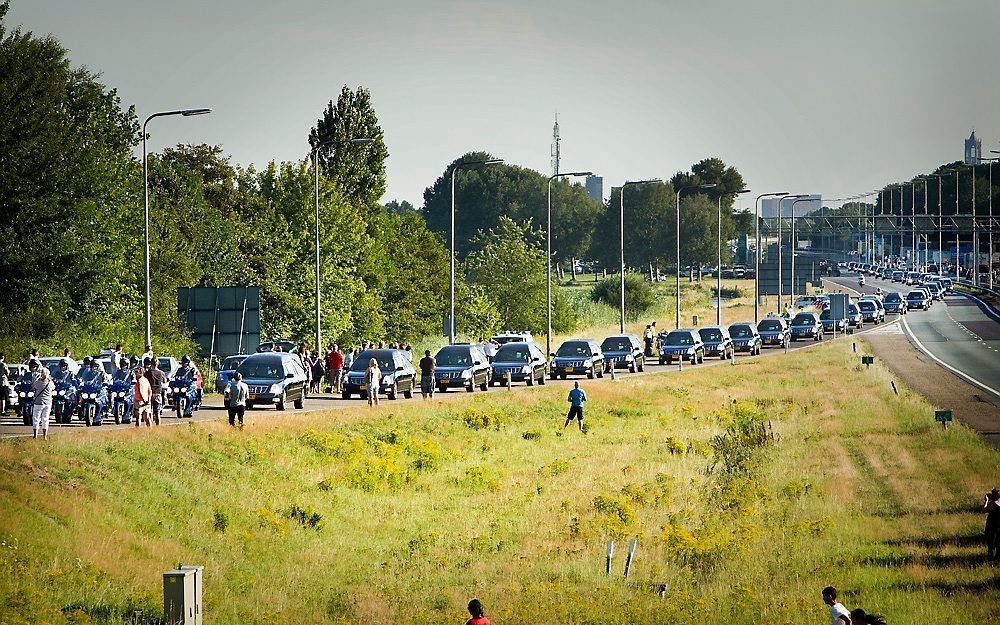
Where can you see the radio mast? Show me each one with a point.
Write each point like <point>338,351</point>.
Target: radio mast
<point>555,146</point>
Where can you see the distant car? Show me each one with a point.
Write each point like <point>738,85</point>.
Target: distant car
<point>398,375</point>
<point>577,357</point>
<point>948,285</point>
<point>682,345</point>
<point>745,338</point>
<point>282,346</point>
<point>717,342</point>
<point>806,325</point>
<point>937,290</point>
<point>854,318</point>
<point>167,364</point>
<point>463,365</point>
<point>739,271</point>
<point>624,351</point>
<point>917,300</point>
<point>912,278</point>
<point>773,331</point>
<point>894,302</point>
<point>806,301</point>
<point>927,292</point>
<point>871,311</point>
<point>274,378</point>
<point>897,276</point>
<point>225,371</point>
<point>519,361</point>
<point>512,337</point>
<point>52,364</point>
<point>829,325</point>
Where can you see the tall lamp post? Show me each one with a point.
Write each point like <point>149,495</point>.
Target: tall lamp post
<point>718,269</point>
<point>548,256</point>
<point>621,249</point>
<point>780,244</point>
<point>794,245</point>
<point>145,197</point>
<point>756,260</point>
<point>455,168</point>
<point>677,256</point>
<point>989,225</point>
<point>315,159</point>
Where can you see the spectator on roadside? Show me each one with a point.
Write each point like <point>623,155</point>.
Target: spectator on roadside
<point>409,352</point>
<point>373,377</point>
<point>838,613</point>
<point>68,355</point>
<point>860,617</point>
<point>118,355</point>
<point>4,384</point>
<point>490,347</point>
<point>647,337</point>
<point>143,398</point>
<point>32,355</point>
<point>991,506</point>
<point>349,358</point>
<point>576,399</point>
<point>334,370</point>
<point>157,381</point>
<point>236,398</point>
<point>427,366</point>
<point>477,613</point>
<point>381,345</point>
<point>317,372</point>
<point>42,405</point>
<point>147,354</point>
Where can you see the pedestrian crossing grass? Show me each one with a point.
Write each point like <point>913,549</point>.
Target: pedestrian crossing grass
<point>748,488</point>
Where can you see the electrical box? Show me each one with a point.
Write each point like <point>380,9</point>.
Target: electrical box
<point>182,595</point>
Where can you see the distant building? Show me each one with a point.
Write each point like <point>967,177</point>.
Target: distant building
<point>595,187</point>
<point>973,150</point>
<point>806,205</point>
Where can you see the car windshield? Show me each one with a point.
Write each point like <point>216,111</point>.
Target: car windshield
<point>384,360</point>
<point>232,362</point>
<point>741,332</point>
<point>803,320</point>
<point>679,338</point>
<point>866,305</point>
<point>892,297</point>
<point>262,369</point>
<point>770,324</point>
<point>915,295</point>
<point>164,365</point>
<point>571,349</point>
<point>513,352</point>
<point>454,357</point>
<point>616,344</point>
<point>503,340</point>
<point>713,335</point>
<point>853,309</point>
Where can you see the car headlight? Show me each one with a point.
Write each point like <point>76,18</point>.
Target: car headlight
<point>62,393</point>
<point>526,369</point>
<point>466,374</point>
<point>22,394</point>
<point>276,388</point>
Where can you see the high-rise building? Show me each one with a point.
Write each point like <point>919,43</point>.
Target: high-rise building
<point>973,150</point>
<point>595,187</point>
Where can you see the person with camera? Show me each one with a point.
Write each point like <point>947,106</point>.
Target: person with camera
<point>991,506</point>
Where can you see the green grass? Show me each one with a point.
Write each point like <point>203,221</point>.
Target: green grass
<point>749,488</point>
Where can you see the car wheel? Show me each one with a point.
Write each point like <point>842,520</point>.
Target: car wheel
<point>541,379</point>
<point>590,374</point>
<point>485,386</point>
<point>391,393</point>
<point>249,405</point>
<point>662,360</point>
<point>281,401</point>
<point>701,358</point>
<point>345,394</point>
<point>301,401</point>
<point>530,380</point>
<point>408,393</point>
<point>470,388</point>
<point>552,376</point>
<point>642,364</point>
<point>600,372</point>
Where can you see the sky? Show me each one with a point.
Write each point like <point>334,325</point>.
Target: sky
<point>835,98</point>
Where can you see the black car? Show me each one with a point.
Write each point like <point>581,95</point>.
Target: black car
<point>397,374</point>
<point>773,331</point>
<point>806,325</point>
<point>682,345</point>
<point>274,378</point>
<point>577,357</point>
<point>519,362</point>
<point>717,342</point>
<point>624,351</point>
<point>894,303</point>
<point>745,338</point>
<point>829,325</point>
<point>462,366</point>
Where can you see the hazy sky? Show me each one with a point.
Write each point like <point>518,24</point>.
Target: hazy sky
<point>818,97</point>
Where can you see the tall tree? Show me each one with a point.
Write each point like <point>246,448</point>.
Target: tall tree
<point>649,225</point>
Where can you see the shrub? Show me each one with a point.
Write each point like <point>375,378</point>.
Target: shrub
<point>305,517</point>
<point>483,419</point>
<point>220,520</point>
<point>638,294</point>
<point>618,517</point>
<point>479,478</point>
<point>531,435</point>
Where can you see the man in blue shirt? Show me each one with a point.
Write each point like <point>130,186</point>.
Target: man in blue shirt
<point>576,399</point>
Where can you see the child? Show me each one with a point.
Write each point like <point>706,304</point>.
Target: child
<point>476,610</point>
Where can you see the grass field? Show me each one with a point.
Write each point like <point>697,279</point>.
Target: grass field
<point>748,487</point>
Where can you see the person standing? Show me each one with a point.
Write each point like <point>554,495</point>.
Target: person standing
<point>373,377</point>
<point>143,398</point>
<point>157,381</point>
<point>838,613</point>
<point>236,398</point>
<point>42,405</point>
<point>991,506</point>
<point>477,613</point>
<point>147,354</point>
<point>334,369</point>
<point>647,338</point>
<point>427,366</point>
<point>4,384</point>
<point>317,371</point>
<point>491,348</point>
<point>576,399</point>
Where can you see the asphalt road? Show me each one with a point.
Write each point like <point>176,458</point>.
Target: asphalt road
<point>960,333</point>
<point>10,425</point>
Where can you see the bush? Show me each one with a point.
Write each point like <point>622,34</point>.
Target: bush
<point>638,294</point>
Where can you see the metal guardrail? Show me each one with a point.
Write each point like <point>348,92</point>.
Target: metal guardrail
<point>968,284</point>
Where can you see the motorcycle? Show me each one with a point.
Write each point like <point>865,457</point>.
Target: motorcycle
<point>64,401</point>
<point>93,403</point>
<point>25,398</point>
<point>121,395</point>
<point>184,397</point>
<point>861,281</point>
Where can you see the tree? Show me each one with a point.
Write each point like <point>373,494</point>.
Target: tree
<point>400,208</point>
<point>649,216</point>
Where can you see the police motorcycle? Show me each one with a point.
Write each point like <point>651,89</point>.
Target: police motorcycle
<point>121,393</point>
<point>25,392</point>
<point>185,395</point>
<point>64,396</point>
<point>861,280</point>
<point>93,392</point>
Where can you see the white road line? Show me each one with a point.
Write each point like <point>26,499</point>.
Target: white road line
<point>946,365</point>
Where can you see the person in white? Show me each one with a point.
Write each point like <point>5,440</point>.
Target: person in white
<point>373,376</point>
<point>42,405</point>
<point>838,613</point>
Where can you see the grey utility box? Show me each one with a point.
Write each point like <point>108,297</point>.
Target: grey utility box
<point>182,595</point>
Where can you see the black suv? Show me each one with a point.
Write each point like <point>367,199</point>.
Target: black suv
<point>624,351</point>
<point>519,362</point>
<point>274,378</point>
<point>462,366</point>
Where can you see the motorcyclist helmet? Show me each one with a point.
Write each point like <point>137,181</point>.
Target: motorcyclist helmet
<point>63,364</point>
<point>185,359</point>
<point>95,364</point>
<point>133,361</point>
<point>147,361</point>
<point>33,364</point>
<point>87,361</point>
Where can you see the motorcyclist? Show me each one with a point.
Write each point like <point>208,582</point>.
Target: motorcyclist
<point>861,280</point>
<point>123,373</point>
<point>878,292</point>
<point>188,371</point>
<point>92,372</point>
<point>31,374</point>
<point>63,374</point>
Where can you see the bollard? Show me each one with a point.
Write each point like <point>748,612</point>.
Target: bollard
<point>894,390</point>
<point>613,367</point>
<point>854,347</point>
<point>510,377</point>
<point>628,559</point>
<point>611,551</point>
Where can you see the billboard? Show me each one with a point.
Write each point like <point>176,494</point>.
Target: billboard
<point>223,320</point>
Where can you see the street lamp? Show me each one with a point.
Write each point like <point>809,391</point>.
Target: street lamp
<point>756,261</point>
<point>780,277</point>
<point>315,159</point>
<point>548,256</point>
<point>145,197</point>
<point>677,257</point>
<point>621,225</point>
<point>718,269</point>
<point>794,245</point>
<point>456,167</point>
<point>989,224</point>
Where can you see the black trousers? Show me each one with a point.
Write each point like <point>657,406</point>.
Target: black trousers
<point>575,412</point>
<point>993,543</point>
<point>234,412</point>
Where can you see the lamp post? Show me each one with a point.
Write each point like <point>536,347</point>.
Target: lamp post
<point>780,200</point>
<point>548,256</point>
<point>975,230</point>
<point>315,159</point>
<point>756,262</point>
<point>455,168</point>
<point>145,197</point>
<point>794,245</point>
<point>677,256</point>
<point>621,240</point>
<point>718,269</point>
<point>989,225</point>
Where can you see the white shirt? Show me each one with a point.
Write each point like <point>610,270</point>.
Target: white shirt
<point>836,611</point>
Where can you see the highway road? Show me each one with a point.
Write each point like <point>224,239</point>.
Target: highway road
<point>960,333</point>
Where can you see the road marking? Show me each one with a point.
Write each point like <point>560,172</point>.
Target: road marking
<point>968,377</point>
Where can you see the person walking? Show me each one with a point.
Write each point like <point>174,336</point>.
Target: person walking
<point>477,613</point>
<point>42,405</point>
<point>991,506</point>
<point>576,399</point>
<point>236,398</point>
<point>143,398</point>
<point>157,381</point>
<point>373,377</point>
<point>838,613</point>
<point>427,366</point>
<point>334,369</point>
<point>4,384</point>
